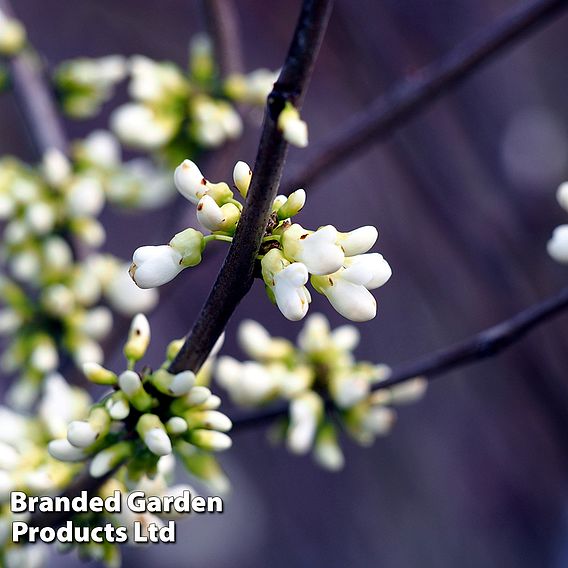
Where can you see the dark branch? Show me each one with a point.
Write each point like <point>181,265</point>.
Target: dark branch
<point>236,275</point>
<point>487,343</point>
<point>222,25</point>
<point>35,100</point>
<point>405,100</point>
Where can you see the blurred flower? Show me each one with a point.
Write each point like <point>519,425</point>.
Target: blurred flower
<point>323,384</point>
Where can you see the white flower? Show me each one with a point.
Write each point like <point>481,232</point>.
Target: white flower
<point>85,197</point>
<point>373,265</point>
<point>305,413</point>
<point>97,322</point>
<point>292,297</point>
<point>249,383</point>
<point>254,339</point>
<point>314,336</point>
<point>242,175</point>
<point>154,266</point>
<point>101,149</point>
<point>215,218</point>
<point>56,167</point>
<point>81,434</point>
<point>348,390</point>
<point>64,451</point>
<point>87,351</point>
<point>158,442</point>
<point>44,356</point>
<point>40,217</point>
<point>345,337</point>
<point>293,128</point>
<point>318,250</point>
<point>126,297</point>
<point>190,182</point>
<point>346,292</point>
<point>210,440</point>
<point>10,320</point>
<point>12,35</point>
<point>358,241</point>
<point>138,126</point>
<point>557,246</point>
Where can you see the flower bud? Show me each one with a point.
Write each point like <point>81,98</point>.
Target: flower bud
<point>358,241</point>
<point>242,175</point>
<point>154,266</point>
<point>293,204</point>
<point>106,460</point>
<point>190,182</point>
<point>173,385</point>
<point>131,385</point>
<point>176,425</point>
<point>138,338</point>
<point>318,250</point>
<point>293,128</point>
<point>12,36</point>
<point>327,451</point>
<point>208,419</point>
<point>117,406</point>
<point>153,433</point>
<point>215,218</point>
<point>56,167</point>
<point>62,450</point>
<point>209,440</point>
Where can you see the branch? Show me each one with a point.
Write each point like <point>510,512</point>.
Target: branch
<point>406,99</point>
<point>487,343</point>
<point>221,19</point>
<point>35,100</point>
<point>236,276</point>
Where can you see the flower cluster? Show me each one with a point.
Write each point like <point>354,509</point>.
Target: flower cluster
<point>25,464</point>
<point>176,112</point>
<point>85,84</point>
<point>322,382</point>
<point>147,415</point>
<point>558,244</point>
<point>137,183</point>
<point>52,297</point>
<point>338,263</point>
<point>168,415</point>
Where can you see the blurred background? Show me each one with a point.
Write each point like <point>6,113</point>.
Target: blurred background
<point>463,196</point>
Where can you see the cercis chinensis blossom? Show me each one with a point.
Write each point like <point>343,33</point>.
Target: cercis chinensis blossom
<point>133,435</point>
<point>322,383</point>
<point>170,110</point>
<point>338,264</point>
<point>51,295</point>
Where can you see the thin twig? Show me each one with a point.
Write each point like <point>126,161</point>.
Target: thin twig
<point>222,24</point>
<point>406,99</point>
<point>487,343</point>
<point>236,275</point>
<point>37,106</point>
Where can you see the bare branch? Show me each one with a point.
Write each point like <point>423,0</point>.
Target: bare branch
<point>236,275</point>
<point>35,100</point>
<point>406,99</point>
<point>487,343</point>
<point>222,24</point>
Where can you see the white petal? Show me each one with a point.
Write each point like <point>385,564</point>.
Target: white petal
<point>189,181</point>
<point>358,241</point>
